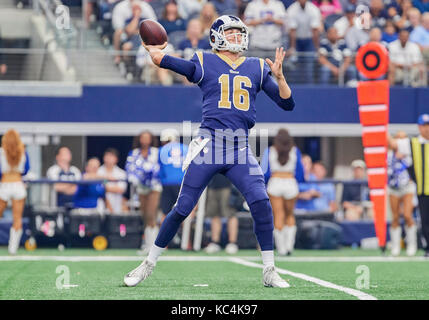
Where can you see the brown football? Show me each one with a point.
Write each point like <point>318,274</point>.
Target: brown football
<point>152,33</point>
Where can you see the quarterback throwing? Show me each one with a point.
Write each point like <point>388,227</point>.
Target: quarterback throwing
<point>229,83</point>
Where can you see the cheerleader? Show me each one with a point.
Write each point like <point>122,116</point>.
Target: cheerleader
<point>14,164</point>
<point>143,172</point>
<point>283,169</point>
<point>401,193</point>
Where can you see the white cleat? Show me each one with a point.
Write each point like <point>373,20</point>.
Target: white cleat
<point>231,248</point>
<point>272,279</point>
<point>142,272</point>
<point>212,248</point>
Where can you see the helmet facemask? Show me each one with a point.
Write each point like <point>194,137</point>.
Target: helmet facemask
<point>222,44</point>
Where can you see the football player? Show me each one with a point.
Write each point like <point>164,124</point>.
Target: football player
<point>230,83</point>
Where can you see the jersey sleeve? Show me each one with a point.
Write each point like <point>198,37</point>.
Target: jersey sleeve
<point>271,88</point>
<point>191,69</point>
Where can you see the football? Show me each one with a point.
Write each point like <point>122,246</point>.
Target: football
<point>152,33</point>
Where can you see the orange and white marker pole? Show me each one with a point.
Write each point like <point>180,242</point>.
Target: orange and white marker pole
<point>372,60</point>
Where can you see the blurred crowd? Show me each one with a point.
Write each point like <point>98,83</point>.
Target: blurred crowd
<point>321,36</point>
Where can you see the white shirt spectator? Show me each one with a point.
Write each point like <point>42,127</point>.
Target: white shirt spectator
<point>115,199</point>
<point>356,37</point>
<point>406,56</point>
<point>189,8</point>
<point>267,35</point>
<point>304,20</point>
<point>342,25</point>
<point>123,12</point>
<point>56,173</point>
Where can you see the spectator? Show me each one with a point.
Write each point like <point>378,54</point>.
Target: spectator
<point>376,35</point>
<point>194,40</point>
<point>189,9</point>
<point>378,13</point>
<point>355,194</point>
<point>225,6</point>
<point>401,193</point>
<point>305,22</point>
<point>401,21</point>
<point>406,62</point>
<point>420,35</point>
<point>142,168</point>
<point>327,200</point>
<point>88,196</point>
<point>171,157</point>
<point>345,3</point>
<point>389,34</point>
<point>266,20</point>
<point>116,203</point>
<point>133,40</point>
<point>358,34</point>
<point>283,168</point>
<point>335,59</point>
<point>422,5</point>
<point>218,195</point>
<point>89,11</point>
<point>307,164</point>
<point>414,17</point>
<point>307,191</point>
<point>345,22</point>
<point>328,7</point>
<point>127,15</point>
<point>3,66</point>
<point>207,16</point>
<point>63,170</point>
<point>14,163</point>
<point>104,10</point>
<point>171,20</point>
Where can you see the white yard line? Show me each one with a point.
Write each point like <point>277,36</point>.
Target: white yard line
<point>356,293</point>
<point>212,258</point>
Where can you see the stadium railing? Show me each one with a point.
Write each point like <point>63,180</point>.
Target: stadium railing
<point>96,66</point>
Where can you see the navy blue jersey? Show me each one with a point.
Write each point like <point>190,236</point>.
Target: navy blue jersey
<point>229,89</point>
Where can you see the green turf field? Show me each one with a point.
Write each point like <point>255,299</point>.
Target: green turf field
<point>192,276</point>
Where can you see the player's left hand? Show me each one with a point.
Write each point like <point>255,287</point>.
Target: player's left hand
<point>277,66</point>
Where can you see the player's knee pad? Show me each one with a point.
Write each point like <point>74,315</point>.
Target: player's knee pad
<point>262,214</point>
<point>256,193</point>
